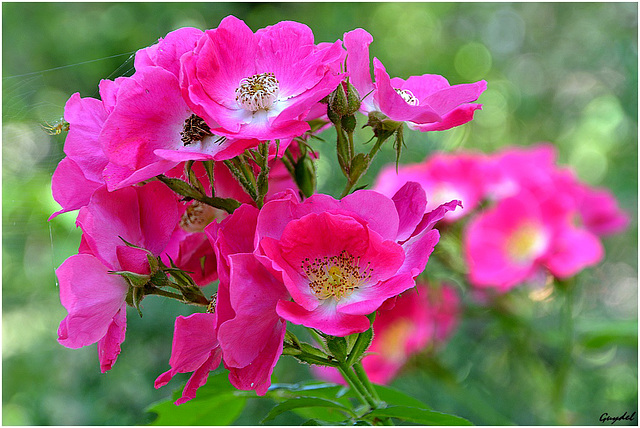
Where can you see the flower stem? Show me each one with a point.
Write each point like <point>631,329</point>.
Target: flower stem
<point>160,292</point>
<point>356,386</point>
<point>564,364</point>
<point>183,188</point>
<point>362,375</point>
<point>357,171</point>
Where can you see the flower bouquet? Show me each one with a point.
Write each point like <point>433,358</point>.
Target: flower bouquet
<point>195,180</point>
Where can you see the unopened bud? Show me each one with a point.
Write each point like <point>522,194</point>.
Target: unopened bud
<point>382,126</point>
<point>332,115</point>
<point>345,100</point>
<point>348,123</point>
<point>338,101</point>
<point>353,99</point>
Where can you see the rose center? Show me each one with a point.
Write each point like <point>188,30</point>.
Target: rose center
<point>195,129</point>
<point>197,216</point>
<point>526,243</point>
<point>258,92</point>
<point>335,276</point>
<point>408,96</point>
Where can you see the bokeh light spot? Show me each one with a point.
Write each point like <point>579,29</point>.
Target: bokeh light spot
<point>473,61</point>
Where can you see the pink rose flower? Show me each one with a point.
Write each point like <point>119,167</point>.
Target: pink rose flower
<point>523,235</point>
<point>167,52</point>
<point>79,174</point>
<point>419,317</point>
<point>426,103</point>
<point>261,85</point>
<point>95,299</point>
<point>195,349</point>
<point>250,331</point>
<point>545,220</point>
<point>151,128</point>
<point>340,260</point>
<point>443,177</point>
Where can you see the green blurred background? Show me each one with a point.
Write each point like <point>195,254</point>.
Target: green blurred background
<point>565,73</point>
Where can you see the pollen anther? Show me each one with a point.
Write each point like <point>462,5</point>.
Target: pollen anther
<point>258,92</point>
<point>195,129</point>
<point>335,276</point>
<point>197,216</point>
<point>408,96</point>
<point>211,307</point>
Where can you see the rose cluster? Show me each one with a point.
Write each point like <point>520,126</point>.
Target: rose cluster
<point>197,168</point>
<point>538,218</point>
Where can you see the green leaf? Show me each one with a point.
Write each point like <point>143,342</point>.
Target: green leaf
<point>314,388</point>
<point>607,333</point>
<point>299,402</point>
<point>393,396</point>
<point>216,403</point>
<point>221,410</point>
<point>359,165</point>
<point>360,346</point>
<point>418,416</point>
<point>338,347</point>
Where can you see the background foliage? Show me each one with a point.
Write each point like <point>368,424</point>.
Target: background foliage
<point>565,73</point>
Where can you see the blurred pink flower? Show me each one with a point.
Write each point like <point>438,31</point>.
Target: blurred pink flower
<point>340,260</point>
<point>426,103</point>
<point>261,85</point>
<point>443,177</point>
<point>421,317</point>
<point>523,234</point>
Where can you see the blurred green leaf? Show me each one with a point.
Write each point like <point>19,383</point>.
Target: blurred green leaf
<point>396,397</point>
<point>608,332</point>
<point>216,403</point>
<point>330,391</point>
<point>418,416</point>
<point>298,402</point>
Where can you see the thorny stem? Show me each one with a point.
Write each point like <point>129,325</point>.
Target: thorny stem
<point>161,292</point>
<point>248,173</point>
<point>185,189</point>
<point>239,174</point>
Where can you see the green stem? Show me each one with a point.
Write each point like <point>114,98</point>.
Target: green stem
<point>352,151</point>
<point>208,166</point>
<point>248,172</point>
<point>352,181</point>
<point>347,189</point>
<point>262,181</point>
<point>362,375</point>
<point>183,188</point>
<point>161,292</point>
<point>239,174</point>
<point>356,386</point>
<point>564,365</point>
